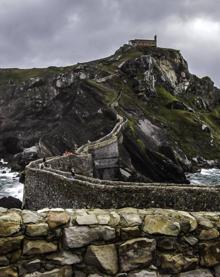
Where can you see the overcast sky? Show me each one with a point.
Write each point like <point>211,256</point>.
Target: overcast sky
<point>38,33</point>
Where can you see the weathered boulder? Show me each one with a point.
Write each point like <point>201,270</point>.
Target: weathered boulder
<point>176,263</point>
<point>65,271</point>
<point>130,219</point>
<point>191,240</point>
<point>10,244</point>
<point>64,258</point>
<point>130,232</point>
<point>168,222</point>
<point>209,234</point>
<point>210,253</point>
<point>204,221</point>
<point>35,230</point>
<point>8,272</point>
<point>30,217</point>
<point>104,257</point>
<point>32,266</point>
<point>136,253</point>
<point>10,223</point>
<point>4,261</point>
<point>143,273</point>
<point>167,243</point>
<point>197,273</point>
<point>86,219</point>
<point>158,224</point>
<point>32,247</point>
<point>75,237</point>
<point>55,219</point>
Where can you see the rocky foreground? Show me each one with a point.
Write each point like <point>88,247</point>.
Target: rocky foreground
<point>126,242</point>
<point>173,116</point>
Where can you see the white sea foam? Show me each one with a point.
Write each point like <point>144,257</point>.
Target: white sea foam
<point>205,177</point>
<point>9,182</point>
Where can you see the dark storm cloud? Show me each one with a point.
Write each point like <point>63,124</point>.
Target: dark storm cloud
<point>37,33</point>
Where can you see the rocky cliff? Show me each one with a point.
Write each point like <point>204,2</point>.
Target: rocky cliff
<point>173,116</point>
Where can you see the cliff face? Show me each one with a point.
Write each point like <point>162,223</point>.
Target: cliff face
<point>173,116</point>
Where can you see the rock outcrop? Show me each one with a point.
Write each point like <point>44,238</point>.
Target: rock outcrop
<point>45,112</point>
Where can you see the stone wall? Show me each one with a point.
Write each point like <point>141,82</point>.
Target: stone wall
<point>125,242</point>
<point>52,188</point>
<point>83,164</point>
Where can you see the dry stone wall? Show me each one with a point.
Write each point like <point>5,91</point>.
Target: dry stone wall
<point>125,242</point>
<point>53,188</point>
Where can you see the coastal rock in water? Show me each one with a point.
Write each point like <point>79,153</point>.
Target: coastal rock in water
<point>10,202</point>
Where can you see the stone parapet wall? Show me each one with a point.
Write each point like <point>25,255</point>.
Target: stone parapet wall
<point>96,243</point>
<point>54,188</point>
<point>106,140</point>
<point>83,164</point>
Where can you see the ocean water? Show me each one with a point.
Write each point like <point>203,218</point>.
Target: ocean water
<point>9,182</point>
<point>205,177</point>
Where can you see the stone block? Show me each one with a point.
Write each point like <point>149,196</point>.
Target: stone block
<point>35,230</point>
<point>10,244</point>
<point>136,253</point>
<point>104,257</point>
<point>79,236</point>
<point>210,253</point>
<point>176,263</point>
<point>197,273</point>
<point>57,272</point>
<point>209,234</point>
<point>86,219</point>
<point>34,247</point>
<point>9,271</point>
<point>56,219</point>
<point>64,258</point>
<point>30,217</point>
<point>10,223</point>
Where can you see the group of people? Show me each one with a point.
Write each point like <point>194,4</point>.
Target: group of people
<point>44,164</point>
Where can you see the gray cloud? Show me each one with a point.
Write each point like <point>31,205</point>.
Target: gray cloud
<point>37,33</point>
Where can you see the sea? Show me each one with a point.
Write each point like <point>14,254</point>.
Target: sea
<point>205,177</point>
<point>9,182</point>
<point>10,185</point>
